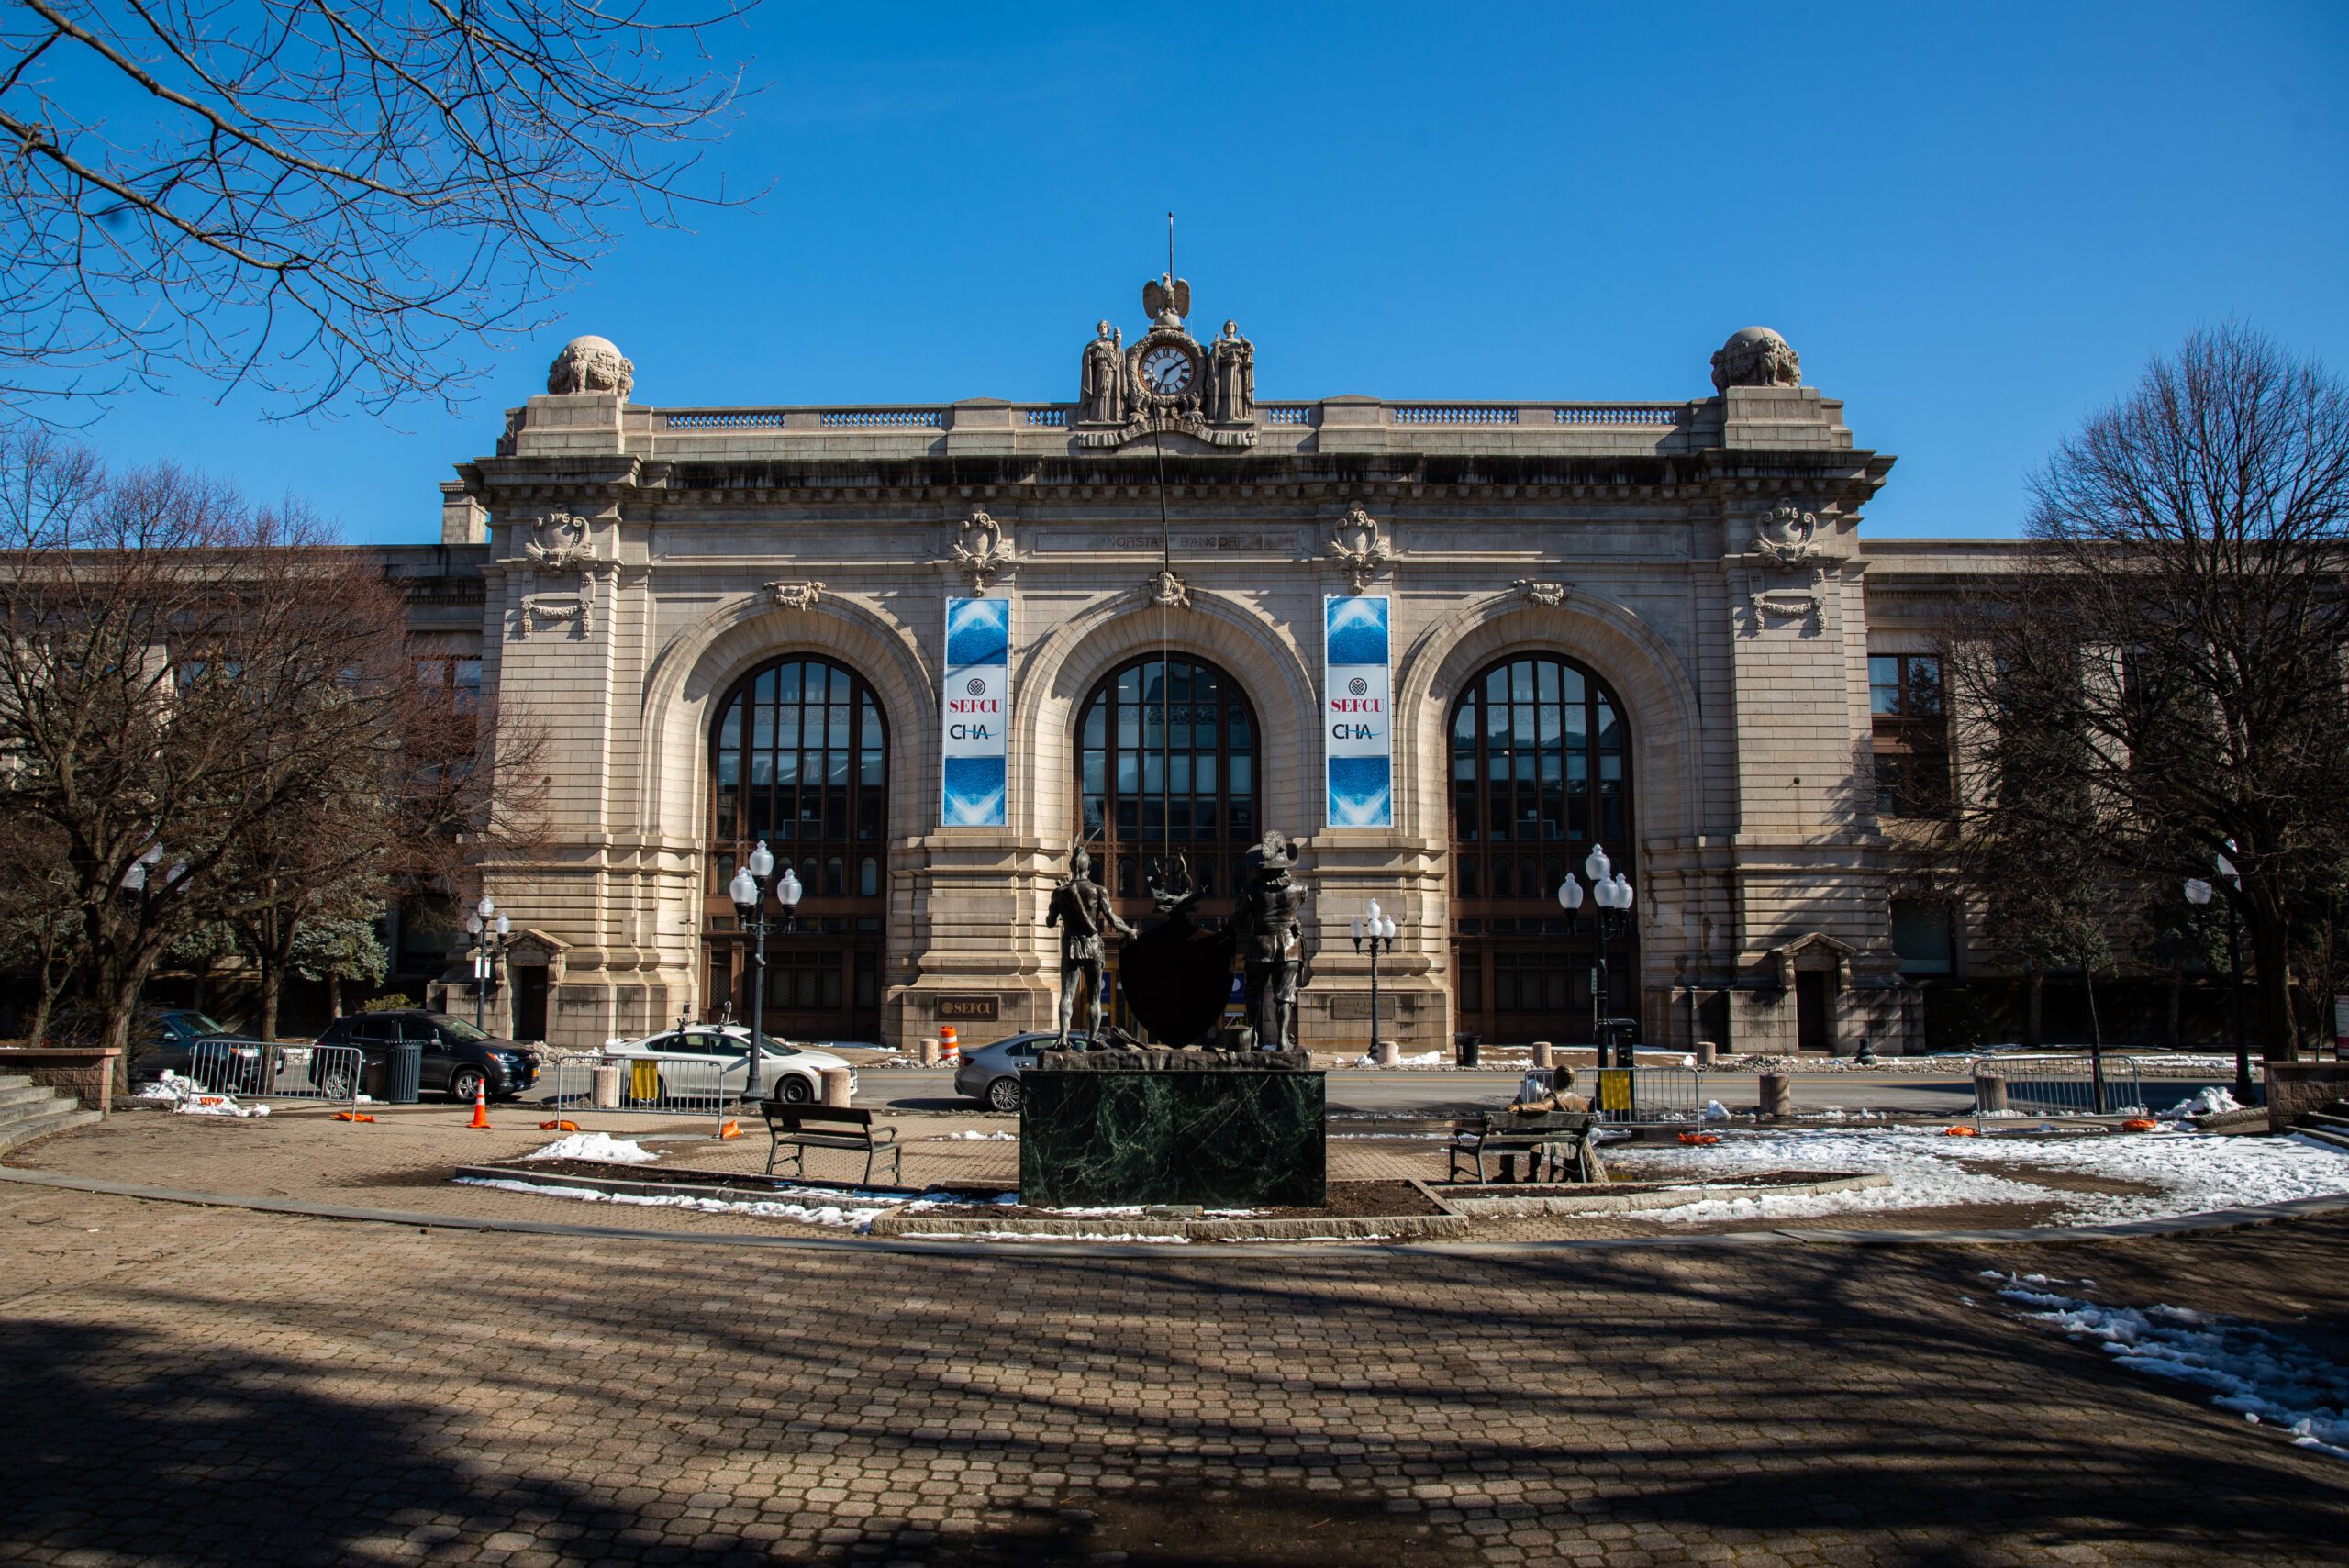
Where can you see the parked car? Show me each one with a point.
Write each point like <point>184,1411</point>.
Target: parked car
<point>792,1074</point>
<point>459,1060</point>
<point>990,1073</point>
<point>171,1040</point>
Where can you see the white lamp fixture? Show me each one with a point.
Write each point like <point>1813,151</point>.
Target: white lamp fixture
<point>788,890</point>
<point>1570,895</point>
<point>1597,867</point>
<point>2197,892</point>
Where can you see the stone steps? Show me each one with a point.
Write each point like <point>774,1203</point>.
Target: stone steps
<point>2323,1135</point>
<point>46,1111</point>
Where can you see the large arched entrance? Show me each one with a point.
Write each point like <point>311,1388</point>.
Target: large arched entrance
<point>1167,765</point>
<point>799,758</point>
<point>1540,770</point>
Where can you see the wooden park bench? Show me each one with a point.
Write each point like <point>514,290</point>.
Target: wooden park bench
<point>801,1127</point>
<point>1565,1142</point>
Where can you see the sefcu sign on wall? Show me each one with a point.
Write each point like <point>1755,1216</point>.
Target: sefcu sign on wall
<point>1356,703</point>
<point>974,709</point>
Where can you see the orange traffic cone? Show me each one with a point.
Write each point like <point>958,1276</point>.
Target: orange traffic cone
<point>558,1125</point>
<point>480,1110</point>
<point>731,1128</point>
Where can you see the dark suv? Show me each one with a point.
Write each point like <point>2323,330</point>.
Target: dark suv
<point>458,1058</point>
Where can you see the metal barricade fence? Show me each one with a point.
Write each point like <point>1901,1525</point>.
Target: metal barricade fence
<point>1649,1094</point>
<point>666,1087</point>
<point>253,1071</point>
<point>2065,1085</point>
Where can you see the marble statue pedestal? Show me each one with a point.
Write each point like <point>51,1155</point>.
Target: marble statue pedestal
<point>1222,1129</point>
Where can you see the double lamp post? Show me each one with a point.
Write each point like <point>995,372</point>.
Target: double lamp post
<point>489,930</point>
<point>1377,927</point>
<point>1611,892</point>
<point>749,891</point>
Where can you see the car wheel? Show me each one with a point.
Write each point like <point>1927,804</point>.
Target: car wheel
<point>335,1085</point>
<point>1004,1095</point>
<point>794,1090</point>
<point>466,1083</point>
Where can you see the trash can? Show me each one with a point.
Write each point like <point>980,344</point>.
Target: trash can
<point>1465,1047</point>
<point>374,1074</point>
<point>403,1076</point>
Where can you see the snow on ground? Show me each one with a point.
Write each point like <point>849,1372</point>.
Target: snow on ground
<point>1424,1059</point>
<point>858,1219</point>
<point>2193,1173</point>
<point>596,1146</point>
<point>188,1098</point>
<point>2268,1379</point>
<point>967,1136</point>
<point>2210,1102</point>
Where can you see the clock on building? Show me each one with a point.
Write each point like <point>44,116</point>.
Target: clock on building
<point>1168,371</point>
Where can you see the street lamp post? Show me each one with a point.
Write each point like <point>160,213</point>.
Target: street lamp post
<point>1377,928</point>
<point>2197,893</point>
<point>1611,891</point>
<point>489,930</point>
<point>749,891</point>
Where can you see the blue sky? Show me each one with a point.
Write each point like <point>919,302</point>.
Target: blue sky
<point>1975,224</point>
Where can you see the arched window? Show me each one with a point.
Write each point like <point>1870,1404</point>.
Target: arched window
<point>1167,759</point>
<point>799,758</point>
<point>1540,770</point>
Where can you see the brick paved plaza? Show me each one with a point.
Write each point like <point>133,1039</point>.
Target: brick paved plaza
<point>207,1384</point>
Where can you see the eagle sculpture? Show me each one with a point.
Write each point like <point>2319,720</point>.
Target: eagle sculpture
<point>1165,295</point>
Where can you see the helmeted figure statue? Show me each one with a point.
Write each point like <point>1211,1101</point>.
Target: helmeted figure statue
<point>1080,907</point>
<point>1271,942</point>
<point>1101,381</point>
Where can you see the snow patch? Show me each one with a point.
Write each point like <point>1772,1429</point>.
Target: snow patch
<point>188,1098</point>
<point>1424,1059</point>
<point>2270,1380</point>
<point>596,1146</point>
<point>969,1136</point>
<point>857,1220</point>
<point>2210,1102</point>
<point>2191,1173</point>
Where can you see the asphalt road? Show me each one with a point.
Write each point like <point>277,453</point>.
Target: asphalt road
<point>1407,1091</point>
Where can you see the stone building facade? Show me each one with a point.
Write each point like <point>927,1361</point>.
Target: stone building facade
<point>1645,625</point>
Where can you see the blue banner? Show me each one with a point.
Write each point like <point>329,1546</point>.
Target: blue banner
<point>975,707</point>
<point>1355,717</point>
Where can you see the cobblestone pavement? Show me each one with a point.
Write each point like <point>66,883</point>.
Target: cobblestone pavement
<point>404,1161</point>
<point>209,1386</point>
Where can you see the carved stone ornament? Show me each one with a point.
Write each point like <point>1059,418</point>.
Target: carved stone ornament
<point>556,609</point>
<point>1790,536</point>
<point>1756,357</point>
<point>1357,550</point>
<point>559,542</point>
<point>794,595</point>
<point>1549,596</point>
<point>591,364</point>
<point>981,551</point>
<point>1167,590</point>
<point>1806,605</point>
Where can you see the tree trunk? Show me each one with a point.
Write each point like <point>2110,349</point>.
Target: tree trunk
<point>334,995</point>
<point>267,962</point>
<point>2272,977</point>
<point>2095,1040</point>
<point>2174,1024</point>
<point>2034,985</point>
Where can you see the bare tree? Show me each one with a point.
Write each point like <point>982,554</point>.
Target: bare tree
<point>321,197</point>
<point>215,714</point>
<point>2165,683</point>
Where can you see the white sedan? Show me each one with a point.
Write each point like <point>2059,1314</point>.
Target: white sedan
<point>792,1073</point>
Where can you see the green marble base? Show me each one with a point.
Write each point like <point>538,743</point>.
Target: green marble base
<point>1096,1139</point>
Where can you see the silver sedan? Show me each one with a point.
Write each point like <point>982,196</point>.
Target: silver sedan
<point>990,1073</point>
